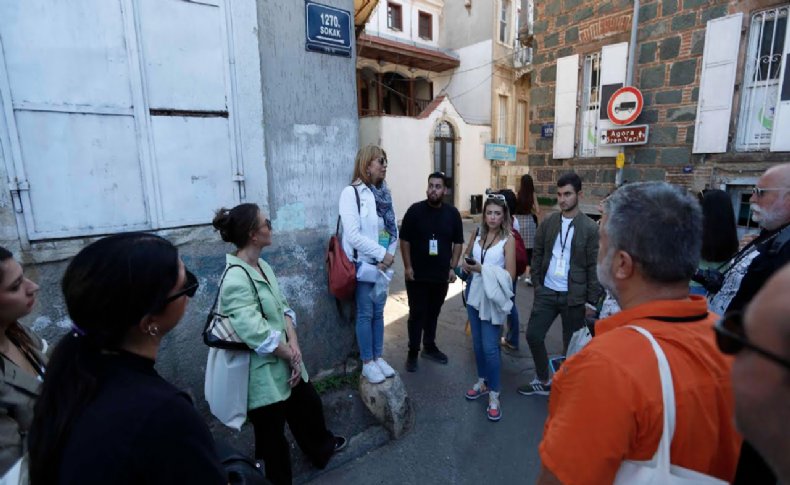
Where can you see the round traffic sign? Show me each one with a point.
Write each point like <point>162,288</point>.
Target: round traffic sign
<point>625,105</point>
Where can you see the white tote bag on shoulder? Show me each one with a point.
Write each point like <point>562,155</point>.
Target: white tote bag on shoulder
<point>659,471</point>
<point>227,381</point>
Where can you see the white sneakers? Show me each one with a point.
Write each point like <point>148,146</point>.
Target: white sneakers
<point>376,371</point>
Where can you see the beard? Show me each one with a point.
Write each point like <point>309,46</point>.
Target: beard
<point>771,218</point>
<point>605,277</point>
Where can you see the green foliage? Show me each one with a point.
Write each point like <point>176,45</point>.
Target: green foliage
<point>547,201</point>
<point>333,383</point>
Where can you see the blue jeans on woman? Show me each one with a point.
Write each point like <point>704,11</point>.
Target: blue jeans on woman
<point>485,340</point>
<point>370,322</point>
<point>512,327</point>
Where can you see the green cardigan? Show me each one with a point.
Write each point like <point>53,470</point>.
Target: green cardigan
<point>268,374</point>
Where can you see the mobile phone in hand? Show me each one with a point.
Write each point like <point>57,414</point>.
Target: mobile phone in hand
<point>470,261</point>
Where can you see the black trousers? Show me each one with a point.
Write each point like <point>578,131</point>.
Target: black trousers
<point>425,303</point>
<point>545,308</point>
<point>304,414</point>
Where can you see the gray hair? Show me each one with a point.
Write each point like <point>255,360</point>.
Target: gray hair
<point>660,226</point>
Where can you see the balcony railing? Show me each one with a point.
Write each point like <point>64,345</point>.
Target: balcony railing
<point>522,57</point>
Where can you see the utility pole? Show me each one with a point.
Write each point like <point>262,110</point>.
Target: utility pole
<point>629,78</point>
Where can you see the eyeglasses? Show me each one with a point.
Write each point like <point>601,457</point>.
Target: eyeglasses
<point>760,191</point>
<point>731,339</point>
<point>381,160</point>
<point>268,224</point>
<point>191,286</point>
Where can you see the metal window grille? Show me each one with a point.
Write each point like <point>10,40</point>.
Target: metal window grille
<point>501,128</point>
<point>591,105</point>
<point>767,32</point>
<point>503,21</point>
<point>522,121</point>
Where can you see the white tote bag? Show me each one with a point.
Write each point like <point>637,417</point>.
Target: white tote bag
<point>18,474</point>
<point>579,339</point>
<point>659,471</point>
<point>227,382</point>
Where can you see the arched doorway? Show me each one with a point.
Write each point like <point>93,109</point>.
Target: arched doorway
<point>444,157</point>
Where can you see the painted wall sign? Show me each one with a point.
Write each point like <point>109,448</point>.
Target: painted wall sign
<point>625,105</point>
<point>547,130</point>
<point>628,135</point>
<point>496,151</point>
<point>328,30</point>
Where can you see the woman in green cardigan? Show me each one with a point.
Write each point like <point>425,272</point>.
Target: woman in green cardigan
<point>279,389</point>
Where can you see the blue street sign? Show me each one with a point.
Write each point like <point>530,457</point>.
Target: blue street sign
<point>495,151</point>
<point>547,130</point>
<point>328,29</point>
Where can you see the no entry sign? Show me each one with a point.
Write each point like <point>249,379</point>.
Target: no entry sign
<point>625,105</point>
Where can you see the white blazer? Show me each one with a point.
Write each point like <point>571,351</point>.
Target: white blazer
<point>361,227</point>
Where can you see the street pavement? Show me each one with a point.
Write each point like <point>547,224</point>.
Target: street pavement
<point>452,441</point>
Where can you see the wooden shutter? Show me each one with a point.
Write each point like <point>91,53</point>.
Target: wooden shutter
<point>565,106</point>
<point>780,141</point>
<point>719,63</point>
<point>614,60</point>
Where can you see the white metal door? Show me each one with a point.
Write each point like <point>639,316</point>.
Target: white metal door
<point>116,113</point>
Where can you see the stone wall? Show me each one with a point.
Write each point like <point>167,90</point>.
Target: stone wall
<point>671,37</point>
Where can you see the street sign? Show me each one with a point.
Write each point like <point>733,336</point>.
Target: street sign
<point>627,135</point>
<point>620,160</point>
<point>496,151</point>
<point>547,130</point>
<point>625,105</point>
<point>328,30</point>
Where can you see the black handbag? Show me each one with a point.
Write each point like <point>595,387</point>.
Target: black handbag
<point>241,469</point>
<point>219,332</point>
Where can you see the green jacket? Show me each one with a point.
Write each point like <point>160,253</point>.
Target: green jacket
<point>268,374</point>
<point>583,286</point>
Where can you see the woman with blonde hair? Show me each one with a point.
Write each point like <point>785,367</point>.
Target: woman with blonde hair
<point>370,238</point>
<point>491,259</point>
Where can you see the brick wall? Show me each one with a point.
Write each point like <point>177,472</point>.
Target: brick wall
<point>671,37</point>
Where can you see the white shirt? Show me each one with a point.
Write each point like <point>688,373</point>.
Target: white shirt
<point>361,226</point>
<point>719,302</point>
<point>515,224</point>
<point>559,282</point>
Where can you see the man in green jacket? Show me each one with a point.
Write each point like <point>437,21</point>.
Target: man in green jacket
<point>563,271</point>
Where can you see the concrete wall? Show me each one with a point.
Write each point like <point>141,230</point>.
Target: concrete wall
<point>466,26</point>
<point>470,86</point>
<point>671,41</point>
<point>309,117</point>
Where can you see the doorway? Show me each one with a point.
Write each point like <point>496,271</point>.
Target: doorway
<point>444,157</point>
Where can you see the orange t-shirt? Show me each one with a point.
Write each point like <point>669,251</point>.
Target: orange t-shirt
<point>606,404</point>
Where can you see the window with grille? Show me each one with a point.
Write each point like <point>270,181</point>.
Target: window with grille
<point>426,26</point>
<point>761,81</point>
<point>591,104</point>
<point>503,21</point>
<point>394,17</point>
<point>521,134</point>
<point>501,129</point>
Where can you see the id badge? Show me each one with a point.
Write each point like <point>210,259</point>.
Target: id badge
<point>559,270</point>
<point>433,247</point>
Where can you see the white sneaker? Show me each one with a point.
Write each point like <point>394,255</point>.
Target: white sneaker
<point>372,373</point>
<point>385,368</point>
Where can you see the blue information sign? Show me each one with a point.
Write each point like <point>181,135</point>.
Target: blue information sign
<point>547,130</point>
<point>495,151</point>
<point>328,29</point>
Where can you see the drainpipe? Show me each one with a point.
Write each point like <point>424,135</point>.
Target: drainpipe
<point>629,77</point>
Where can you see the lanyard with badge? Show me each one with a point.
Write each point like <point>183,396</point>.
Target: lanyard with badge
<point>562,263</point>
<point>433,246</point>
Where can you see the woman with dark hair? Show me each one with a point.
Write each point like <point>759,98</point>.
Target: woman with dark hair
<point>527,212</point>
<point>719,234</point>
<point>105,415</point>
<point>279,388</point>
<point>23,361</point>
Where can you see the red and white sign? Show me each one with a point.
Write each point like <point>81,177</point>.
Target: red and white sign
<point>625,105</point>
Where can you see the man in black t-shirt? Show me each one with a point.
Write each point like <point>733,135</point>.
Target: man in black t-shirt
<point>432,238</point>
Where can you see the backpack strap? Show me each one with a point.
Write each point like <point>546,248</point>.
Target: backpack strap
<point>359,211</point>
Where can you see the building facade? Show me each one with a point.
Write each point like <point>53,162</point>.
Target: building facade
<point>713,75</point>
<point>447,77</point>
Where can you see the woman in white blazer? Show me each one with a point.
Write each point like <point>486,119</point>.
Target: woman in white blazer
<point>370,238</point>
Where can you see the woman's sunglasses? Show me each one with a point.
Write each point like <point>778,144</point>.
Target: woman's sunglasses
<point>731,339</point>
<point>191,286</point>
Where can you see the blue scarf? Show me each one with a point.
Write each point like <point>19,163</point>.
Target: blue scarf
<point>384,208</point>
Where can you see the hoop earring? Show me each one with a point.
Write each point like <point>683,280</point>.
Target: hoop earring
<point>153,330</point>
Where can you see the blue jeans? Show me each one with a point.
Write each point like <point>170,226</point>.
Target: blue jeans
<point>485,340</point>
<point>697,290</point>
<point>370,322</point>
<point>512,326</point>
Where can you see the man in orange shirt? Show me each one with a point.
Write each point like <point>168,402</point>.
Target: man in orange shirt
<point>606,404</point>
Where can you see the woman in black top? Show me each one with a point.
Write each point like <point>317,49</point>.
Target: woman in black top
<point>105,416</point>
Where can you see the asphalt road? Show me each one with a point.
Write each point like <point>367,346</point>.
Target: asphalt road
<point>452,441</point>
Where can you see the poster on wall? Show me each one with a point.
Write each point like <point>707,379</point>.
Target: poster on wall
<point>759,124</point>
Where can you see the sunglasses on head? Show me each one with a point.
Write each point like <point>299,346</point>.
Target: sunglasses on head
<point>731,339</point>
<point>497,197</point>
<point>191,286</point>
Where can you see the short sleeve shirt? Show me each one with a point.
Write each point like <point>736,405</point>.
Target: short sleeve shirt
<point>606,404</point>
<point>423,223</point>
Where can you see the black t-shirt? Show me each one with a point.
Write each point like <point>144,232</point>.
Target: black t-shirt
<point>423,223</point>
<point>139,430</point>
<point>760,270</point>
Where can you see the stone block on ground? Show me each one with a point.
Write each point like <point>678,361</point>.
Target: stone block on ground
<point>389,403</point>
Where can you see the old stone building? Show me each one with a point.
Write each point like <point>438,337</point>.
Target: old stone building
<point>711,73</point>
